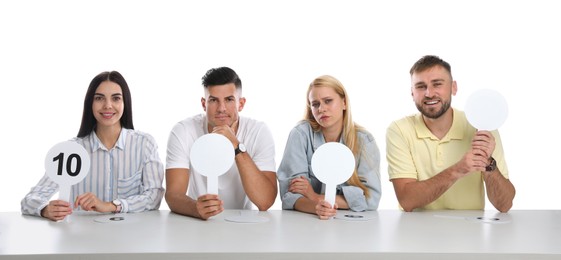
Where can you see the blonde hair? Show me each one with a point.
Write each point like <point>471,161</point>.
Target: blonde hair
<point>350,128</point>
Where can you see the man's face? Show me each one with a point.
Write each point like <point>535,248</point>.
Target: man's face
<point>432,91</point>
<point>222,104</point>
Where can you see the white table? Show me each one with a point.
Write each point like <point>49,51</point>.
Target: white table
<point>388,234</point>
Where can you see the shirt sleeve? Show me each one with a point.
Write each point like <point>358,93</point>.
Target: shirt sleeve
<point>152,176</point>
<point>294,164</point>
<point>368,170</point>
<point>400,161</point>
<point>178,148</point>
<point>498,154</point>
<point>263,151</point>
<point>38,197</point>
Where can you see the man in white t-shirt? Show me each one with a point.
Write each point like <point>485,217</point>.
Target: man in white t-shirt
<point>252,180</point>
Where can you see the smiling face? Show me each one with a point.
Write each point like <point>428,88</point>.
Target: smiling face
<point>108,104</point>
<point>432,91</point>
<point>222,104</point>
<point>327,107</point>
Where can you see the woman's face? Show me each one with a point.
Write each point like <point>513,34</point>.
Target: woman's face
<point>327,107</point>
<point>108,104</point>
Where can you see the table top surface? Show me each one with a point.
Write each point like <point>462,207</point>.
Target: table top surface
<point>385,231</point>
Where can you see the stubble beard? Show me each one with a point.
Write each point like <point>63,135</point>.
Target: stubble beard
<point>431,112</point>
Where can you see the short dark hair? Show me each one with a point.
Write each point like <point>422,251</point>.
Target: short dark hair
<point>429,61</point>
<point>88,120</point>
<point>221,76</point>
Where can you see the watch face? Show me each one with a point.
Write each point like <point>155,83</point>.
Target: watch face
<point>492,165</point>
<point>242,148</point>
<point>117,202</point>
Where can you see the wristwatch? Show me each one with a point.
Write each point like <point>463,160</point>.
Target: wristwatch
<point>492,165</point>
<point>240,149</point>
<point>117,204</point>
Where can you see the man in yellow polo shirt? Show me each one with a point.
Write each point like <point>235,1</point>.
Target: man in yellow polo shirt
<point>436,159</point>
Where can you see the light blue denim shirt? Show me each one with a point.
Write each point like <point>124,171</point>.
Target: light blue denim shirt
<point>297,158</point>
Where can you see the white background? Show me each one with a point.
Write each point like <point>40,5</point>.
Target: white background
<point>50,50</point>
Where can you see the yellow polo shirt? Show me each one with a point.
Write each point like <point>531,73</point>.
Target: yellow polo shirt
<point>414,152</point>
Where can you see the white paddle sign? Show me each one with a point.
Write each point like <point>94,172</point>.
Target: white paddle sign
<point>67,163</point>
<point>333,163</point>
<point>486,109</point>
<point>212,155</point>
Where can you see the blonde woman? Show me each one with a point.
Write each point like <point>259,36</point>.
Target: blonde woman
<point>328,119</point>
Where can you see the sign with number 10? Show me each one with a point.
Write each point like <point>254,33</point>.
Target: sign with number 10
<point>67,163</point>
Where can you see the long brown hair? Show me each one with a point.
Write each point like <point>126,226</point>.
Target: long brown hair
<point>88,120</point>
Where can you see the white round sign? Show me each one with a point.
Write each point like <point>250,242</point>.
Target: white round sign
<point>486,109</point>
<point>67,163</point>
<point>333,163</point>
<point>212,155</point>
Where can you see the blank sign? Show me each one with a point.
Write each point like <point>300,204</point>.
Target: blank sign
<point>333,163</point>
<point>212,155</point>
<point>486,109</point>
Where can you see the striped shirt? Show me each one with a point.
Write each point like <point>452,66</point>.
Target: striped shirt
<point>131,172</point>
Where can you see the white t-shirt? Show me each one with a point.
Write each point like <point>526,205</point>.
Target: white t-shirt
<point>256,137</point>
